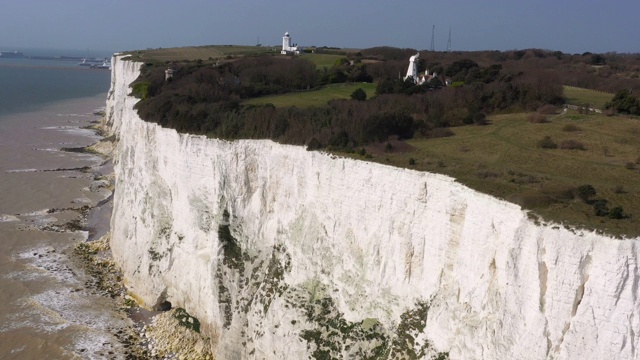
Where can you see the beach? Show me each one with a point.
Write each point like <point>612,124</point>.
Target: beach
<point>47,190</point>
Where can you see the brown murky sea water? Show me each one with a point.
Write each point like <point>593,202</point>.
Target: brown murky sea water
<point>47,311</point>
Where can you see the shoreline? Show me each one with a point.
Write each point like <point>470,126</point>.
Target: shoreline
<point>153,333</point>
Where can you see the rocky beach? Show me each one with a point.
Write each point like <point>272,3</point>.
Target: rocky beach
<point>62,295</point>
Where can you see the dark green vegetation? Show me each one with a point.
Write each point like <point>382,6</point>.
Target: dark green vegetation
<point>528,150</point>
<point>186,320</point>
<point>624,103</point>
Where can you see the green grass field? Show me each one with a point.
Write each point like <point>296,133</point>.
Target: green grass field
<point>503,159</point>
<point>581,96</point>
<point>316,97</point>
<point>323,60</point>
<point>200,52</point>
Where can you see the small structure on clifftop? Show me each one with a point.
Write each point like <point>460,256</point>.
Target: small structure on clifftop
<point>288,48</point>
<point>412,72</point>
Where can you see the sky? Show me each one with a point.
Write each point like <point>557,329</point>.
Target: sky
<point>572,26</point>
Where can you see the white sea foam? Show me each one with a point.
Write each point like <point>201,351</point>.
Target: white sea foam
<point>21,170</point>
<point>8,218</point>
<point>36,213</point>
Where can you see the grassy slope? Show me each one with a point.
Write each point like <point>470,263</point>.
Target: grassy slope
<point>323,60</point>
<point>200,52</point>
<point>316,97</point>
<point>581,96</point>
<point>502,159</point>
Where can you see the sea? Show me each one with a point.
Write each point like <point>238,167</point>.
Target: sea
<point>48,310</point>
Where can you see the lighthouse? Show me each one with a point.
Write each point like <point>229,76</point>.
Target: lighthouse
<point>287,47</point>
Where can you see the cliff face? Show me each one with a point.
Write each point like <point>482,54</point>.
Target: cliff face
<point>285,253</point>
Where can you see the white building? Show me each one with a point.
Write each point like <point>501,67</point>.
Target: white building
<point>288,48</point>
<point>412,71</point>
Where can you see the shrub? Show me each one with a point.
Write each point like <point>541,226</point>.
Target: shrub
<point>480,119</point>
<point>439,133</point>
<point>616,213</point>
<point>359,94</point>
<point>618,189</point>
<point>547,109</point>
<point>313,144</point>
<point>572,145</point>
<point>586,191</point>
<point>388,147</point>
<point>559,192</point>
<point>412,161</point>
<point>530,200</point>
<point>547,143</point>
<point>630,166</point>
<point>600,208</point>
<point>487,174</point>
<point>536,118</point>
<point>571,128</point>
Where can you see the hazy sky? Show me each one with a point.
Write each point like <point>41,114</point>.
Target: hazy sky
<point>115,25</point>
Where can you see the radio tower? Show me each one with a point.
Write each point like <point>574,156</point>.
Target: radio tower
<point>449,42</point>
<point>433,30</point>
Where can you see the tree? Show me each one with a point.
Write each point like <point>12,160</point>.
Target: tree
<point>624,102</point>
<point>359,94</point>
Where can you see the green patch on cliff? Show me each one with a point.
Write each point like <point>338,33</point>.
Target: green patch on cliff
<point>334,337</point>
<point>186,320</point>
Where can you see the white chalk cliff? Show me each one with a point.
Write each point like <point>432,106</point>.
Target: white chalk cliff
<point>283,253</point>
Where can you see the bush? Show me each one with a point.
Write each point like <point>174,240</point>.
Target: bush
<point>412,161</point>
<point>571,128</point>
<point>546,143</point>
<point>616,213</point>
<point>536,118</point>
<point>439,133</point>
<point>547,109</point>
<point>572,145</point>
<point>313,144</point>
<point>530,200</point>
<point>630,166</point>
<point>586,191</point>
<point>619,189</point>
<point>559,192</point>
<point>359,94</point>
<point>600,208</point>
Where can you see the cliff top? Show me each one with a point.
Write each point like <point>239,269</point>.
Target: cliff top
<point>501,128</point>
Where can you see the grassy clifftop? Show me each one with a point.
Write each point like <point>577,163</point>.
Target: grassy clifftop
<point>500,128</point>
<point>504,159</point>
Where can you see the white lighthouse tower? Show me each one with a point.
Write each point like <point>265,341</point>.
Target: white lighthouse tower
<point>287,47</point>
<point>286,42</point>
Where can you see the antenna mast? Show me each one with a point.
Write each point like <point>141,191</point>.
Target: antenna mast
<point>449,42</point>
<point>433,30</point>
